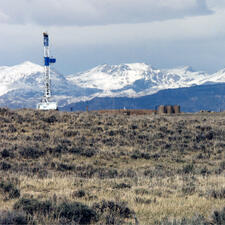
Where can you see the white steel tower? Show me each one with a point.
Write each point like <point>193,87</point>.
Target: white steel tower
<point>45,104</point>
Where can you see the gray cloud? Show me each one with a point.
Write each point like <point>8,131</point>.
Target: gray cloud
<point>218,4</point>
<point>99,12</point>
<point>3,17</point>
<point>164,33</point>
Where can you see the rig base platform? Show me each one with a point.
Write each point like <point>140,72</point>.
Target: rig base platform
<point>47,106</point>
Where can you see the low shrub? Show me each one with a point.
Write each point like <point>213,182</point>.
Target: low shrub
<point>70,133</point>
<point>112,210</point>
<point>198,220</point>
<point>107,173</point>
<point>157,171</point>
<point>89,171</point>
<point>31,152</point>
<point>143,200</point>
<point>89,152</point>
<point>33,206</point>
<point>189,168</point>
<point>5,153</point>
<point>11,129</point>
<point>69,212</point>
<point>222,165</point>
<point>121,186</point>
<point>204,171</point>
<point>77,212</point>
<point>64,167</point>
<point>218,217</point>
<point>5,166</point>
<point>140,155</point>
<point>79,193</point>
<point>86,171</point>
<point>59,149</point>
<point>50,119</point>
<point>5,112</point>
<point>141,191</point>
<point>188,189</point>
<point>13,218</point>
<point>217,194</point>
<point>127,173</point>
<point>9,190</point>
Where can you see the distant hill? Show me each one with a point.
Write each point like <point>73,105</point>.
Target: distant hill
<point>192,99</point>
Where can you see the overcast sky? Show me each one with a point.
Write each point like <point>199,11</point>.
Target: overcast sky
<point>86,33</point>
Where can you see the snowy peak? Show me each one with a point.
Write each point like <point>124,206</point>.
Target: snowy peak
<point>26,67</point>
<point>11,74</point>
<point>113,77</point>
<point>28,64</point>
<point>137,78</point>
<point>110,69</point>
<point>218,77</point>
<point>123,68</point>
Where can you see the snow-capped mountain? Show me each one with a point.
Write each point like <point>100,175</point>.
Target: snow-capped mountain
<point>22,85</point>
<point>108,77</point>
<point>9,75</point>
<point>137,79</point>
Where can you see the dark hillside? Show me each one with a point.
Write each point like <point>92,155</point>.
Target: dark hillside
<point>192,99</point>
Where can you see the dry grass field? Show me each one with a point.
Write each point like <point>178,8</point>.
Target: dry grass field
<point>102,168</point>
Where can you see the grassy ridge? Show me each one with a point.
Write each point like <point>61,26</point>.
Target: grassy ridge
<point>152,167</point>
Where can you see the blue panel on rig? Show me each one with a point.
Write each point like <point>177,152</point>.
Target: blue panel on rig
<point>52,60</point>
<point>47,61</point>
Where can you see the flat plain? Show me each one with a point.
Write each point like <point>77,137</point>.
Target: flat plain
<point>104,168</point>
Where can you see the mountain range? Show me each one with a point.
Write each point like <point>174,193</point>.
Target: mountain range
<point>136,85</point>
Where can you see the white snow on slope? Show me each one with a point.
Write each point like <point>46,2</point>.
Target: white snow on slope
<point>108,77</point>
<point>137,79</point>
<point>9,75</point>
<point>218,77</point>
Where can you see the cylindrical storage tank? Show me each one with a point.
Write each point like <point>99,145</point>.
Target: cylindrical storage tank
<point>169,109</point>
<point>176,109</point>
<point>161,109</point>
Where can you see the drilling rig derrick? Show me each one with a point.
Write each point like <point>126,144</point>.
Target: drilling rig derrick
<point>45,103</point>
